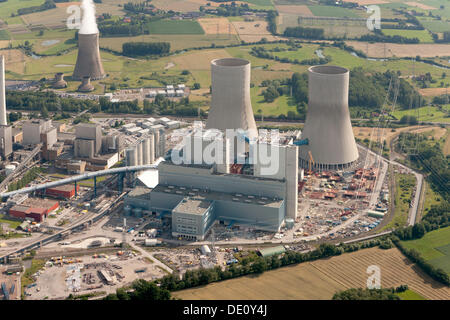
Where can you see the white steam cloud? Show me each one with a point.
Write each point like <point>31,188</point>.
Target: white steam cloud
<point>88,23</point>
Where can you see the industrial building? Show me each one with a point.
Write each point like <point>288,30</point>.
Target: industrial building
<point>88,142</point>
<point>62,192</point>
<point>35,131</point>
<point>34,209</point>
<point>328,129</point>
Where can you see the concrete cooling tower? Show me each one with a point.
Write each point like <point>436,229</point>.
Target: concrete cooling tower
<point>231,107</point>
<point>327,126</point>
<point>89,62</point>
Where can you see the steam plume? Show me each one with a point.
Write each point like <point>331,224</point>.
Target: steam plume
<point>88,23</point>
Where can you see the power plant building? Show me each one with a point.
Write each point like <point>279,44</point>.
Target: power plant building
<point>328,128</point>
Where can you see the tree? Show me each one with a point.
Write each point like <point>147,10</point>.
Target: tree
<point>196,86</point>
<point>418,231</point>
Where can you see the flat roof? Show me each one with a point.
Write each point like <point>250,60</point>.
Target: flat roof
<point>139,192</point>
<point>199,194</point>
<point>194,206</point>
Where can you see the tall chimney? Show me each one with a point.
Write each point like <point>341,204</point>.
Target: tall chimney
<point>231,107</point>
<point>3,121</point>
<point>328,127</point>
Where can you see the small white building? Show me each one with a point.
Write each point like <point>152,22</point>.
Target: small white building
<point>181,87</point>
<point>171,93</point>
<point>169,87</point>
<point>179,93</point>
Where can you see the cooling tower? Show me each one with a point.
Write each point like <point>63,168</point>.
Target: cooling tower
<point>89,62</point>
<point>59,81</point>
<point>3,121</point>
<point>327,126</point>
<point>231,107</point>
<point>86,85</point>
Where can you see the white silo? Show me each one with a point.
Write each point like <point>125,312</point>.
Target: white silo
<point>231,107</point>
<point>131,156</point>
<point>162,143</point>
<point>139,152</point>
<point>157,155</point>
<point>145,151</point>
<point>328,127</point>
<point>151,141</point>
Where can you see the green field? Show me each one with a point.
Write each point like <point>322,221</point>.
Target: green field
<point>422,35</point>
<point>332,11</point>
<point>4,35</point>
<point>410,295</point>
<point>260,4</point>
<point>431,198</point>
<point>404,186</point>
<point>11,6</point>
<point>13,224</point>
<point>434,248</point>
<point>427,113</point>
<point>444,13</point>
<point>175,27</point>
<point>435,25</point>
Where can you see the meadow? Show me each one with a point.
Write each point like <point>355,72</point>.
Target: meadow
<point>11,6</point>
<point>434,247</point>
<point>423,35</point>
<point>427,113</point>
<point>175,27</point>
<point>331,11</point>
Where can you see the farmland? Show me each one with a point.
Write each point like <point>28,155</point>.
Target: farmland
<point>175,27</point>
<point>423,35</point>
<point>434,247</point>
<point>427,113</point>
<point>331,11</point>
<point>322,278</point>
<point>401,50</point>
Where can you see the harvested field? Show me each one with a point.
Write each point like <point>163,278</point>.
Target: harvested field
<point>54,18</point>
<point>300,10</point>
<point>367,2</point>
<point>420,5</point>
<point>217,26</point>
<point>322,278</point>
<point>215,4</point>
<point>67,4</point>
<point>176,5</point>
<point>199,60</point>
<point>430,92</point>
<point>401,50</point>
<point>253,31</point>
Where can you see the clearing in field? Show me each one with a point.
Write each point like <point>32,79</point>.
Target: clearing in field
<point>175,27</point>
<point>434,248</point>
<point>302,10</point>
<point>401,50</point>
<point>420,6</point>
<point>431,92</point>
<point>253,31</point>
<point>322,278</point>
<point>199,60</point>
<point>217,26</point>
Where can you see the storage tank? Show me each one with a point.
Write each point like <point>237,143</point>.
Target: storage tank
<point>205,249</point>
<point>150,242</point>
<point>9,169</point>
<point>151,141</point>
<point>157,155</point>
<point>289,223</point>
<point>131,156</point>
<point>162,143</point>
<point>139,153</point>
<point>146,151</point>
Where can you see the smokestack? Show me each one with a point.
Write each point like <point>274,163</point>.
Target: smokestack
<point>59,81</point>
<point>327,126</point>
<point>231,107</point>
<point>3,121</point>
<point>88,59</point>
<point>86,85</point>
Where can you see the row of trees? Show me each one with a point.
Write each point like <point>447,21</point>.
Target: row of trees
<point>48,4</point>
<point>304,32</point>
<point>370,294</point>
<point>145,48</point>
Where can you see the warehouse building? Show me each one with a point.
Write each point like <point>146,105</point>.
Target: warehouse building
<point>34,209</point>
<point>66,191</point>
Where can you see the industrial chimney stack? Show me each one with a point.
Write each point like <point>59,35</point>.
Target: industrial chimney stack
<point>3,121</point>
<point>327,126</point>
<point>231,107</point>
<point>89,62</point>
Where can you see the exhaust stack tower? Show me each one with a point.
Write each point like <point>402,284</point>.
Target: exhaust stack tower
<point>3,121</point>
<point>327,126</point>
<point>231,107</point>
